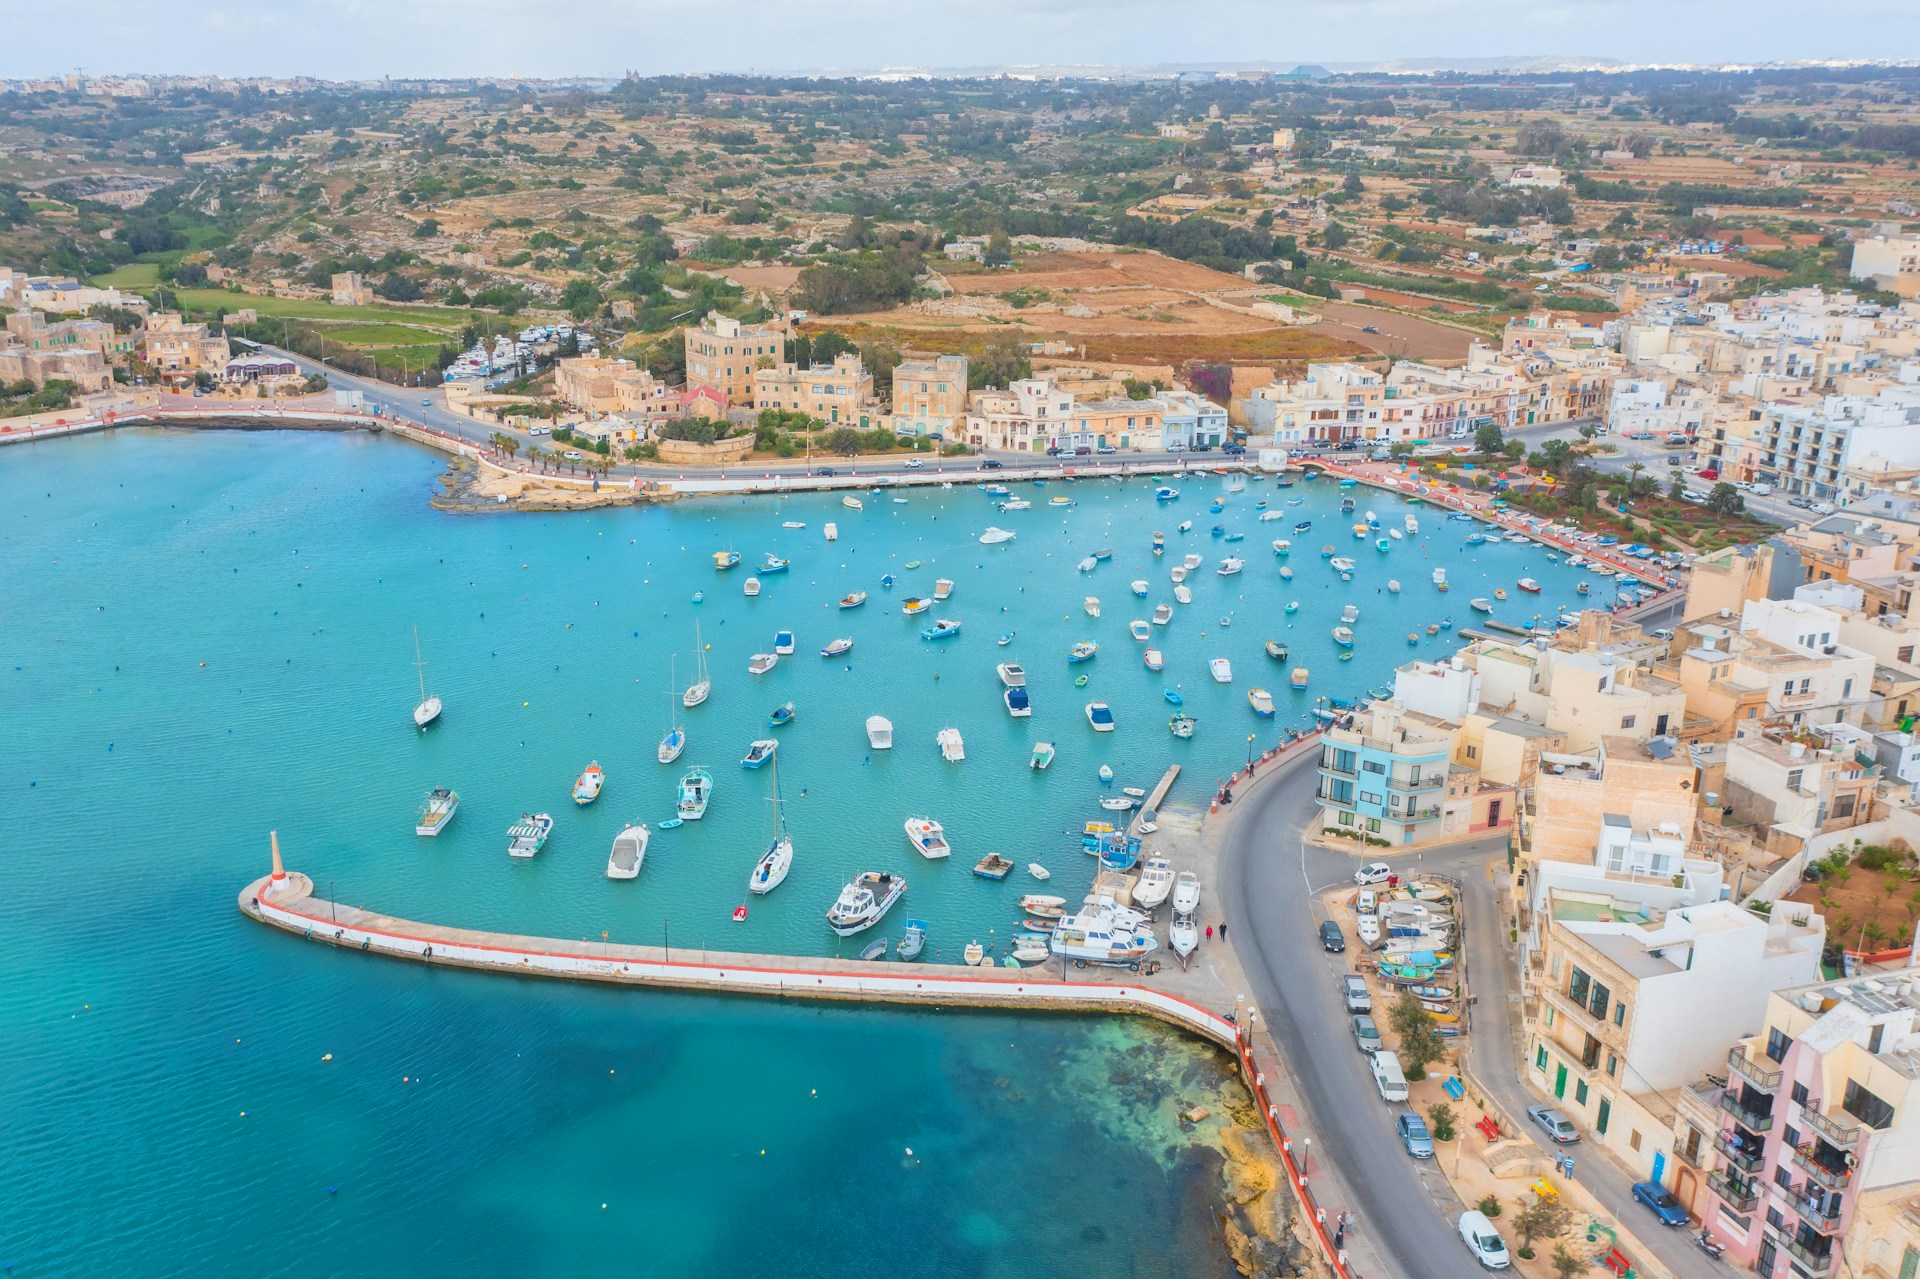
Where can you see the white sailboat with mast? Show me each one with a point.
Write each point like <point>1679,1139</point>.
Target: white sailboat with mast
<point>773,866</point>
<point>676,739</point>
<point>429,708</point>
<point>697,691</point>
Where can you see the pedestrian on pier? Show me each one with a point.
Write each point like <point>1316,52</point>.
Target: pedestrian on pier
<point>1223,930</point>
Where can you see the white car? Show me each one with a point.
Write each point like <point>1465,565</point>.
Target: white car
<point>573,455</point>
<point>913,464</point>
<point>1373,873</point>
<point>1483,1241</point>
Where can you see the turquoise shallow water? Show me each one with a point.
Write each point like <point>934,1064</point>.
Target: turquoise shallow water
<point>208,635</point>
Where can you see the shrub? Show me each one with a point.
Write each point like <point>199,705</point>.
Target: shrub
<point>1880,857</point>
<point>1490,1206</point>
<point>1440,1119</point>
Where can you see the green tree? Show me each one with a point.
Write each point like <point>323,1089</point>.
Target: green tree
<point>1541,1216</point>
<point>999,249</point>
<point>842,439</point>
<point>1420,1043</point>
<point>1566,1264</point>
<point>1441,1119</point>
<point>1725,499</point>
<point>426,230</point>
<point>881,358</point>
<point>1003,362</point>
<point>1335,236</point>
<point>1489,439</point>
<point>1352,184</point>
<point>580,298</point>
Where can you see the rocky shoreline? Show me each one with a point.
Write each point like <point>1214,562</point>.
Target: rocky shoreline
<point>468,489</point>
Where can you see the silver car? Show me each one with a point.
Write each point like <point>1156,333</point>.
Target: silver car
<point>1556,1125</point>
<point>1366,1035</point>
<point>1354,991</point>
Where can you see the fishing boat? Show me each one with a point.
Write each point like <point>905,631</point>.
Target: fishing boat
<point>1282,547</point>
<point>783,643</point>
<point>1019,704</point>
<point>1500,592</point>
<point>1216,506</point>
<point>1154,660</point>
<point>428,708</point>
<point>1105,774</point>
<point>1005,639</point>
<point>1304,526</point>
<point>759,752</point>
<point>830,531</point>
<point>436,812</point>
<point>781,716</point>
<point>996,490</point>
<point>1041,757</point>
<point>1346,503</point>
<point>1163,614</point>
<point>1221,669</point>
<point>1082,651</point>
<point>1011,674</point>
<point>1343,636</point>
<point>1116,803</point>
<point>973,954</point>
<point>942,588</point>
<point>914,605</point>
<point>928,837</point>
<point>952,748</point>
<point>750,587</point>
<point>1276,650</point>
<point>1529,585</point>
<point>1088,564</point>
<point>1217,530</point>
<point>1095,937</point>
<point>1183,935</point>
<point>880,732</point>
<point>1100,716</point>
<point>944,628</point>
<point>1480,604</point>
<point>914,941</point>
<point>1182,595</point>
<point>1092,604</point>
<point>761,663</point>
<point>696,788</point>
<point>1298,679</point>
<point>995,536</point>
<point>1186,893</point>
<point>1476,539</point>
<point>1139,630</point>
<point>724,560</point>
<point>886,581</point>
<point>1181,725</point>
<point>1165,494</point>
<point>853,504</point>
<point>865,901</point>
<point>528,836</point>
<point>993,866</point>
<point>1230,566</point>
<point>1582,589</point>
<point>1261,701</point>
<point>836,647</point>
<point>629,851</point>
<point>586,787</point>
<point>774,564</point>
<point>1293,606</point>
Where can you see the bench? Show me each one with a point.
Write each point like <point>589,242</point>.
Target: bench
<point>1616,1261</point>
<point>1489,1127</point>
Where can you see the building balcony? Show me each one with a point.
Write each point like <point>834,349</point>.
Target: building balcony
<point>1843,1135</point>
<point>1740,1064</point>
<point>1336,770</point>
<point>1746,1158</point>
<point>1813,1263</point>
<point>1417,783</point>
<point>1824,1220</point>
<point>1736,1197</point>
<point>1751,1120</point>
<point>1827,1175</point>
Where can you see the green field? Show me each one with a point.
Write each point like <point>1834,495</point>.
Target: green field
<point>134,275</point>
<point>382,335</point>
<point>320,309</point>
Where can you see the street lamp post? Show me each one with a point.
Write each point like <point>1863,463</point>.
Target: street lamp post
<point>1250,737</point>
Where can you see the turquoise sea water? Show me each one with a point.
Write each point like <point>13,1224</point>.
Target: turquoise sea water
<point>209,635</point>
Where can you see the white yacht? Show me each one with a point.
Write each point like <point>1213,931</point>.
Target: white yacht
<point>1186,893</point>
<point>629,851</point>
<point>880,732</point>
<point>942,588</point>
<point>1012,674</point>
<point>928,837</point>
<point>697,691</point>
<point>1097,937</point>
<point>952,748</point>
<point>995,536</point>
<point>1162,614</point>
<point>1183,935</point>
<point>772,868</point>
<point>865,901</point>
<point>429,708</point>
<point>676,739</point>
<point>1222,670</point>
<point>1156,881</point>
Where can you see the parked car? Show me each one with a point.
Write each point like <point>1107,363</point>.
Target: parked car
<point>991,464</point>
<point>1373,873</point>
<point>1366,1035</point>
<point>427,400</point>
<point>1176,447</point>
<point>1483,1241</point>
<point>1331,939</point>
<point>1799,503</point>
<point>1641,435</point>
<point>1106,448</point>
<point>1661,1201</point>
<point>1414,1136</point>
<point>1353,990</point>
<point>1673,459</point>
<point>1661,633</point>
<point>913,464</point>
<point>1711,473</point>
<point>1821,508</point>
<point>825,470</point>
<point>1234,450</point>
<point>1558,1127</point>
<point>1203,448</point>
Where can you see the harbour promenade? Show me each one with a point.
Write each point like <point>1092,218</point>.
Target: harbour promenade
<point>285,900</point>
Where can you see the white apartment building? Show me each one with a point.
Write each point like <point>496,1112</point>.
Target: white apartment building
<point>1658,405</point>
<point>1889,262</point>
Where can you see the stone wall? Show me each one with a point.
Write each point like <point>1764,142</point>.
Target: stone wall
<point>723,453</point>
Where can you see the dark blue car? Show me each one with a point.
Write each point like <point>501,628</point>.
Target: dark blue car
<point>1664,1205</point>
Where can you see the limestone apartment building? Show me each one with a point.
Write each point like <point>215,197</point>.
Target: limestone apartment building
<point>722,353</point>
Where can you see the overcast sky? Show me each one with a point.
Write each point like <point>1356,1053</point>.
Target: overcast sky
<point>351,39</point>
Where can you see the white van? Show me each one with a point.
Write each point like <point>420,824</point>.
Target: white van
<point>1388,1079</point>
<point>1761,490</point>
<point>1488,1248</point>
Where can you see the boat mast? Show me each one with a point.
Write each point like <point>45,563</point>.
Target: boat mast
<point>419,666</point>
<point>673,692</point>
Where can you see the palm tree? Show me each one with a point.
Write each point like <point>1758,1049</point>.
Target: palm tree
<point>511,444</point>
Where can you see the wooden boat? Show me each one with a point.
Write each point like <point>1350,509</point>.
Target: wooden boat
<point>1276,650</point>
<point>1181,726</point>
<point>586,787</point>
<point>761,663</point>
<point>1040,925</point>
<point>875,949</point>
<point>837,647</point>
<point>782,715</point>
<point>1038,871</point>
<point>853,600</point>
<point>942,588</point>
<point>974,953</point>
<point>993,866</point>
<point>759,753</point>
<point>436,812</point>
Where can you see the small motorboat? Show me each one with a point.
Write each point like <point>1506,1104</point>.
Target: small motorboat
<point>1276,650</point>
<point>1041,757</point>
<point>1293,606</point>
<point>1261,701</point>
<point>1005,639</point>
<point>1153,659</point>
<point>793,524</point>
<point>974,953</point>
<point>1185,526</point>
<point>436,812</point>
<point>783,643</point>
<point>952,748</point>
<point>836,647</point>
<point>586,787</point>
<point>1011,674</point>
<point>1282,547</point>
<point>1582,589</point>
<point>995,536</point>
<point>886,582</point>
<point>1019,703</point>
<point>1105,774</point>
<point>1393,586</point>
<point>1182,595</point>
<point>880,732</point>
<point>1116,803</point>
<point>914,605</point>
<point>1480,604</point>
<point>1186,893</point>
<point>1100,716</point>
<point>781,715</point>
<point>942,588</point>
<point>911,564</point>
<point>1349,614</point>
<point>853,600</point>
<point>945,628</point>
<point>750,587</point>
<point>1092,604</point>
<point>1173,697</point>
<point>928,837</point>
<point>1230,566</point>
<point>725,559</point>
<point>1529,585</point>
<point>830,531</point>
<point>875,949</point>
<point>761,663</point>
<point>1221,669</point>
<point>698,596</point>
<point>1163,614</point>
<point>1216,506</point>
<point>1181,726</point>
<point>1135,792</point>
<point>629,851</point>
<point>528,836</point>
<point>1038,871</point>
<point>1343,636</point>
<point>1178,574</point>
<point>1298,679</point>
<point>1183,935</point>
<point>740,913</point>
<point>1082,651</point>
<point>1500,592</point>
<point>913,941</point>
<point>774,564</point>
<point>1139,630</point>
<point>759,752</point>
<point>1088,564</point>
<point>1165,494</point>
<point>1138,586</point>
